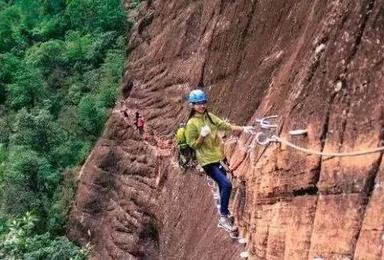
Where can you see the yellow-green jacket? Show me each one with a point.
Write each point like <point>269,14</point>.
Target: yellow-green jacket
<point>210,151</point>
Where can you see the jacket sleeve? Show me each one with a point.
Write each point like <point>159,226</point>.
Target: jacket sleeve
<point>220,124</point>
<point>191,135</point>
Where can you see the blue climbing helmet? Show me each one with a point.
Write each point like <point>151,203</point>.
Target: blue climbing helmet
<point>196,96</point>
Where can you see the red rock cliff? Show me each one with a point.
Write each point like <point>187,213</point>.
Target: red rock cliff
<point>317,64</point>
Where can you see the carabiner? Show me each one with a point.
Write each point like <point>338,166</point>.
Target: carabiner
<point>262,139</point>
<point>265,122</point>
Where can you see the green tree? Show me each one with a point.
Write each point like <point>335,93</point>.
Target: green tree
<point>31,12</point>
<point>49,27</point>
<point>3,158</point>
<point>29,179</point>
<point>46,55</point>
<point>50,59</point>
<point>20,242</point>
<point>28,89</point>
<point>9,66</point>
<point>54,6</point>
<point>111,71</point>
<point>53,23</point>
<point>61,64</point>
<point>113,66</point>
<point>91,117</point>
<point>97,15</point>
<point>5,130</point>
<point>10,34</point>
<point>69,153</point>
<point>3,5</point>
<point>37,130</point>
<point>77,46</point>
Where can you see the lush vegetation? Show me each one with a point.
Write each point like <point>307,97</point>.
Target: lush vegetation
<point>60,67</point>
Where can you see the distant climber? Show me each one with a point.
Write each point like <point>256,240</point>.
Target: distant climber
<point>202,134</point>
<point>124,109</point>
<point>140,124</point>
<point>137,115</point>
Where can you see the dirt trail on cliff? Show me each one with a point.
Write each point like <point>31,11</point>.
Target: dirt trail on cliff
<point>318,65</point>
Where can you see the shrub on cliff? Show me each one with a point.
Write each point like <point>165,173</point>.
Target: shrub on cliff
<point>17,241</point>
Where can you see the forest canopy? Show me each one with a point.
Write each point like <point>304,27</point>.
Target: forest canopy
<point>61,66</point>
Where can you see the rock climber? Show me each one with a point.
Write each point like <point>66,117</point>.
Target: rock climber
<point>202,135</point>
<point>137,115</point>
<point>124,109</point>
<point>140,124</point>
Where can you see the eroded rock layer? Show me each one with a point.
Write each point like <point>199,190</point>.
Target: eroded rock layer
<point>318,65</point>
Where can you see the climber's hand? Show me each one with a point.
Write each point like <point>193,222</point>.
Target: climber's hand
<point>205,130</point>
<point>249,130</point>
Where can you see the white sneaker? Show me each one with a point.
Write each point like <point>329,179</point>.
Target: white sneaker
<point>231,219</point>
<point>234,234</point>
<point>225,223</point>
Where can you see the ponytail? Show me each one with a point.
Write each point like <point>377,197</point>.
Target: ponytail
<point>192,113</point>
<point>209,117</point>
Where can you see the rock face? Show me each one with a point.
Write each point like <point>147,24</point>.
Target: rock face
<point>318,65</point>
